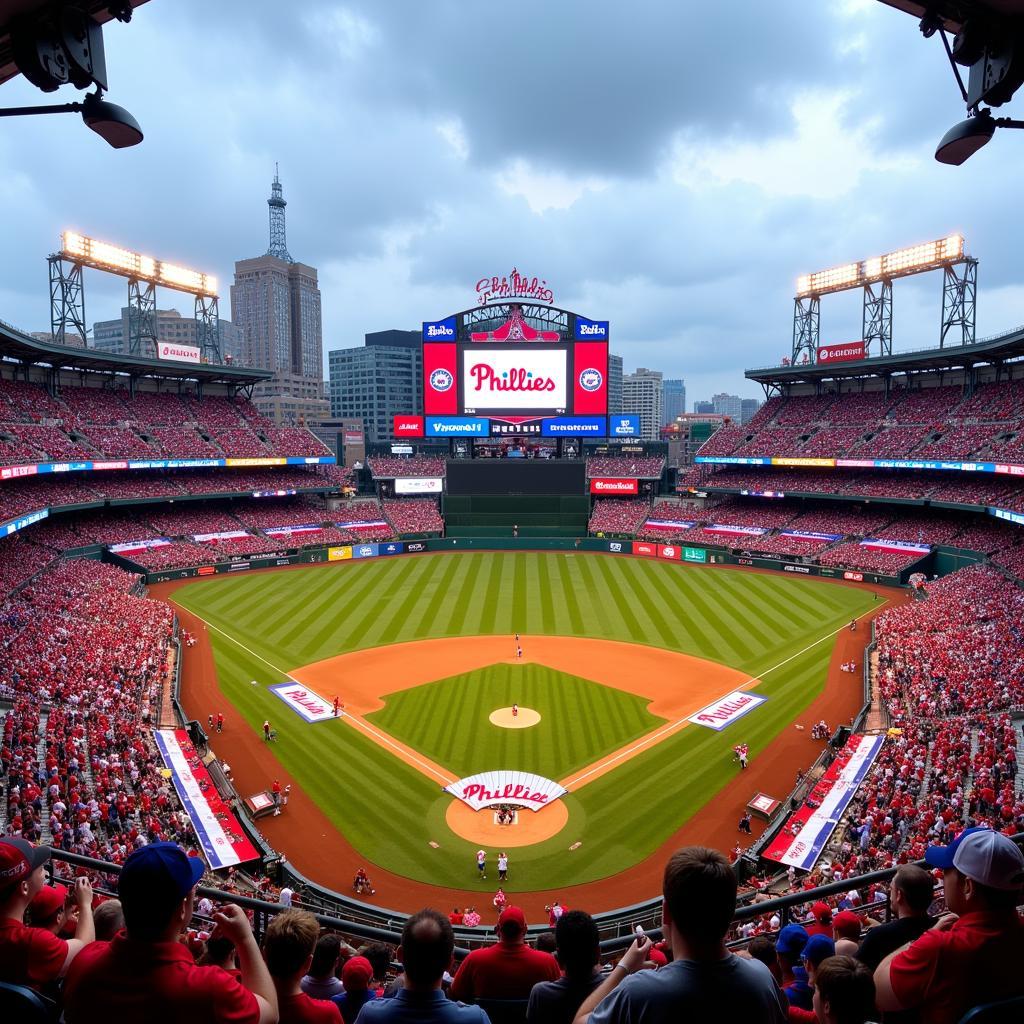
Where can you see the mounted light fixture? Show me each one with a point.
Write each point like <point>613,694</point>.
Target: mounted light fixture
<point>110,122</point>
<point>963,140</point>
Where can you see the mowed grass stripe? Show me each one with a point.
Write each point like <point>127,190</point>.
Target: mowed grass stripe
<point>392,626</point>
<point>490,610</point>
<point>598,594</point>
<point>608,570</point>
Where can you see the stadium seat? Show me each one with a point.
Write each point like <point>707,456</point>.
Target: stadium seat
<point>24,1006</point>
<point>1005,1011</point>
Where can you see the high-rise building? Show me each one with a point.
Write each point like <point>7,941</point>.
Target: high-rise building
<point>275,300</point>
<point>377,381</point>
<point>703,408</point>
<point>112,335</point>
<point>674,398</point>
<point>727,405</point>
<point>642,394</point>
<point>614,384</point>
<point>748,409</point>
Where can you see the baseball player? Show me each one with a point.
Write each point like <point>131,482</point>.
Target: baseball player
<point>515,710</point>
<point>502,867</point>
<point>481,863</point>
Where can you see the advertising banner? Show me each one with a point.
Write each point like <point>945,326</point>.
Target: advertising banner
<point>339,554</point>
<point>813,825</point>
<point>507,378</point>
<point>670,524</point>
<point>756,531</point>
<point>415,546</point>
<point>287,531</point>
<point>730,708</point>
<point>764,494</point>
<point>620,547</point>
<point>205,538</point>
<point>856,576</point>
<point>139,545</point>
<point>523,789</point>
<point>408,426</point>
<point>439,330</point>
<point>364,550</point>
<point>899,547</point>
<point>1000,513</point>
<point>361,525</point>
<point>590,330</point>
<point>841,353</point>
<point>669,551</point>
<point>624,425</point>
<point>808,535</point>
<point>695,555</point>
<point>798,460</point>
<point>177,352</point>
<point>590,378</point>
<point>418,485</point>
<point>22,521</point>
<point>462,426</point>
<point>440,379</point>
<point>391,547</point>
<point>733,460</point>
<point>18,472</point>
<point>221,837</point>
<point>613,485</point>
<point>574,425</point>
<point>303,701</point>
<point>647,550</point>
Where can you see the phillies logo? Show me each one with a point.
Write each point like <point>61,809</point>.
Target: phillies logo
<point>474,791</point>
<point>516,379</point>
<point>591,379</point>
<point>441,380</point>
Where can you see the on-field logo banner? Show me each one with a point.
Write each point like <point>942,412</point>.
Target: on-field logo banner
<point>303,701</point>
<point>729,709</point>
<point>506,787</point>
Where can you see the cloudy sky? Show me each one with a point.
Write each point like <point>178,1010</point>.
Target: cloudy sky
<point>671,170</point>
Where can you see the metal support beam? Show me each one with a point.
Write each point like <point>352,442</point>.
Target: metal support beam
<point>208,329</point>
<point>141,318</point>
<point>959,292</point>
<point>876,322</point>
<point>67,299</point>
<point>806,328</point>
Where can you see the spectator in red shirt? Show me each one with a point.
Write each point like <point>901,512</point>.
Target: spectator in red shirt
<point>973,954</point>
<point>455,916</point>
<point>146,973</point>
<point>34,956</point>
<point>822,923</point>
<point>288,950</point>
<point>507,970</point>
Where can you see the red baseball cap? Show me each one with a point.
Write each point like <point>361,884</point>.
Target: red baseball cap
<point>846,924</point>
<point>18,859</point>
<point>822,912</point>
<point>357,973</point>
<point>512,915</point>
<point>48,901</point>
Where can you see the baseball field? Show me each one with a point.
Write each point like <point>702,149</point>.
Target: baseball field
<point>617,654</point>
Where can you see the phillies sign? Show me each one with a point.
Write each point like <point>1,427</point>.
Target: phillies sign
<point>849,352</point>
<point>515,285</point>
<point>613,485</point>
<point>506,787</point>
<point>514,378</point>
<point>311,706</point>
<point>727,710</point>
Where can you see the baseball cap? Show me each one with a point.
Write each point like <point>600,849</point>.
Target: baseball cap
<point>48,901</point>
<point>159,868</point>
<point>357,973</point>
<point>512,915</point>
<point>985,856</point>
<point>18,859</point>
<point>822,912</point>
<point>847,924</point>
<point>818,948</point>
<point>791,940</point>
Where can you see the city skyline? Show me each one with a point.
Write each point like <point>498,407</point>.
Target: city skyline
<point>794,166</point>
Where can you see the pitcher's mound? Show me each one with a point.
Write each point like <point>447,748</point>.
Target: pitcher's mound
<point>532,826</point>
<point>503,718</point>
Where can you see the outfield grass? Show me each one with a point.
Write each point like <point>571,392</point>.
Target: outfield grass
<point>748,621</point>
<point>580,720</point>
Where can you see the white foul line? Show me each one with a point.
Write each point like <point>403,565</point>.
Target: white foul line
<point>379,737</point>
<point>654,736</point>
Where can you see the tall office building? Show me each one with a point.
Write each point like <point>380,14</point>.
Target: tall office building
<point>642,394</point>
<point>703,408</point>
<point>674,399</point>
<point>727,405</point>
<point>276,302</point>
<point>614,384</point>
<point>377,381</point>
<point>112,335</point>
<point>748,409</point>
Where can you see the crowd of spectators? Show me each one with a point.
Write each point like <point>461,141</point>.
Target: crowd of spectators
<point>627,466</point>
<point>387,467</point>
<point>854,556</point>
<point>414,515</point>
<point>617,516</point>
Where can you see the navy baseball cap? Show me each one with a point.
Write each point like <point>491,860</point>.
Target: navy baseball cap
<point>791,940</point>
<point>984,855</point>
<point>818,948</point>
<point>160,869</point>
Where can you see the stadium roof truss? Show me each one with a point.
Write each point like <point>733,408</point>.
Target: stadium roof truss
<point>494,314</point>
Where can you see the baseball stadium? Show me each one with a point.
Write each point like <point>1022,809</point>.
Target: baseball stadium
<point>522,653</point>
